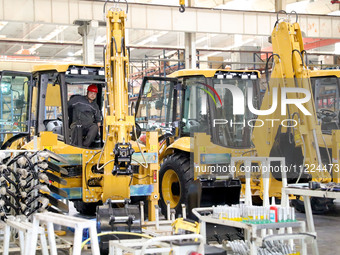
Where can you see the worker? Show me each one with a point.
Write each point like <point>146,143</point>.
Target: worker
<point>85,117</point>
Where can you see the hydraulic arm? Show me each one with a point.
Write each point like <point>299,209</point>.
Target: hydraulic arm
<point>118,124</point>
<point>291,130</point>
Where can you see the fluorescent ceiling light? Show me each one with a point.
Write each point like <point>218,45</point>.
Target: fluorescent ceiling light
<point>335,13</point>
<point>205,38</point>
<point>152,38</point>
<point>48,37</point>
<point>78,53</point>
<point>100,39</point>
<point>3,24</point>
<point>238,43</point>
<point>337,48</point>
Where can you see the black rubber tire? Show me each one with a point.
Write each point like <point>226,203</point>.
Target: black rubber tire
<point>88,209</point>
<point>180,164</point>
<point>319,205</point>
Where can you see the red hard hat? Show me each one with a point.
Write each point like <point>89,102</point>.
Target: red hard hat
<point>92,88</point>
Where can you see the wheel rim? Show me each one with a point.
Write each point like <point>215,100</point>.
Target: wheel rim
<point>171,190</point>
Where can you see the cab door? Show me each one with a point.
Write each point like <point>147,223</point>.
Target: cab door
<point>15,106</point>
<point>158,105</point>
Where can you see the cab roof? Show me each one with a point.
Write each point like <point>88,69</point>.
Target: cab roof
<point>208,72</point>
<point>320,73</point>
<point>58,67</point>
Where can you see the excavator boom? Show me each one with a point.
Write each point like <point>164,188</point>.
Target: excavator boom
<point>291,130</point>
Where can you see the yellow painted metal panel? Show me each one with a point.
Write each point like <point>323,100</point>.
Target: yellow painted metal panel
<point>182,144</point>
<point>48,139</point>
<point>207,72</point>
<point>53,95</point>
<point>58,67</point>
<point>319,73</point>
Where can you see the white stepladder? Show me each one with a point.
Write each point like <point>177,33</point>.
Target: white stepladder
<point>24,229</point>
<point>78,224</point>
<point>265,167</point>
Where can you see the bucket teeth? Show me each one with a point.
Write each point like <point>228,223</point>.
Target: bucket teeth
<point>57,203</point>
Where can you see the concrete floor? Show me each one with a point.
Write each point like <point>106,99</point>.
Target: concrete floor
<point>327,227</point>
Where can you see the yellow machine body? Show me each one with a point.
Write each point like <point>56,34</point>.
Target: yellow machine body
<point>92,180</point>
<point>178,150</point>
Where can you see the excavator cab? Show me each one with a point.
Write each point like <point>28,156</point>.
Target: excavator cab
<point>326,97</point>
<point>193,112</point>
<point>15,98</point>
<point>35,116</point>
<point>32,103</point>
<point>54,88</point>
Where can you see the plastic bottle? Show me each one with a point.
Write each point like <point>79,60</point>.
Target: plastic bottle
<point>273,213</point>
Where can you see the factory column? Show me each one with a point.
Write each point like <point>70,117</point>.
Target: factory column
<point>190,45</point>
<point>88,30</point>
<point>190,50</point>
<point>280,5</point>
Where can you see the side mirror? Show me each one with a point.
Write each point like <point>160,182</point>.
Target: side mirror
<point>19,104</point>
<point>159,104</point>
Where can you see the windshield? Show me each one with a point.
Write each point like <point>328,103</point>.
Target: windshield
<point>234,130</point>
<point>326,96</point>
<point>14,103</point>
<point>208,108</point>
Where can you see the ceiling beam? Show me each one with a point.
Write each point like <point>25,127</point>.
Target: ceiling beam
<point>165,18</point>
<point>320,43</point>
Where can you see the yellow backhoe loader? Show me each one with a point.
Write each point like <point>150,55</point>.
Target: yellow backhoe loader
<point>192,110</point>
<point>195,113</point>
<point>113,170</point>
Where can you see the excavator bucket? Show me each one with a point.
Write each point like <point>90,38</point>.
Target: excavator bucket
<point>111,218</point>
<point>206,192</point>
